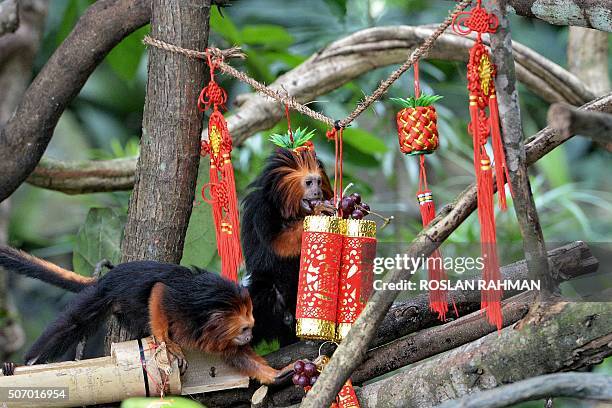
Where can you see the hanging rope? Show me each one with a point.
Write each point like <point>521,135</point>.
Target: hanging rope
<point>283,97</point>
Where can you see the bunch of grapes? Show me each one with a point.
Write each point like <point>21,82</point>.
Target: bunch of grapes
<point>306,373</point>
<point>353,207</point>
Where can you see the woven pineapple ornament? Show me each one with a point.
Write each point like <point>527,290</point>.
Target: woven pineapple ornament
<point>481,86</point>
<point>222,185</point>
<point>417,133</point>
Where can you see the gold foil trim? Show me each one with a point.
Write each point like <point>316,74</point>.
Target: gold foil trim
<point>324,223</point>
<point>360,228</point>
<point>315,329</point>
<point>342,330</point>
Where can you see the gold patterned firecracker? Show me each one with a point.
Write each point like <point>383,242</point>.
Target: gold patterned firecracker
<point>356,273</point>
<point>319,277</point>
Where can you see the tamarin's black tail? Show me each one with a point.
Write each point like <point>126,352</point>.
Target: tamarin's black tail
<point>22,263</point>
<point>82,317</point>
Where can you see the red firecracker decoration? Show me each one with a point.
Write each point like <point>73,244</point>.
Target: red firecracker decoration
<point>347,397</point>
<point>418,135</point>
<point>481,74</point>
<point>222,182</point>
<point>320,258</point>
<point>356,273</point>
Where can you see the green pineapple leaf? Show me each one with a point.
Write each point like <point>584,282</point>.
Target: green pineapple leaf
<point>412,102</point>
<point>300,136</point>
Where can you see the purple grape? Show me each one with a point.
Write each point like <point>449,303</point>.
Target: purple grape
<point>365,209</point>
<point>347,205</point>
<point>298,367</point>
<point>303,381</point>
<point>295,379</point>
<point>313,379</point>
<point>356,197</point>
<point>357,214</point>
<point>310,369</point>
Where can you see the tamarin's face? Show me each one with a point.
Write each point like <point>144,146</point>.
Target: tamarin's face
<point>312,189</point>
<point>241,325</point>
<point>301,181</point>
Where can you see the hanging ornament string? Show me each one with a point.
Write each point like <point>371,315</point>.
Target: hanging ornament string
<point>286,99</point>
<point>289,124</point>
<point>222,185</point>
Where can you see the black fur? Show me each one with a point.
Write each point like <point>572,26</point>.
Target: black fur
<point>190,296</point>
<point>272,281</point>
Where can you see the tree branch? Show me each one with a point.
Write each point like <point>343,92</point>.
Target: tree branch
<point>581,13</point>
<point>84,177</point>
<point>535,349</point>
<point>359,53</point>
<point>26,136</point>
<point>568,120</point>
<point>352,350</point>
<point>570,385</point>
<point>512,131</point>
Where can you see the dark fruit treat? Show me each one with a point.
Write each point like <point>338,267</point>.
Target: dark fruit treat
<point>298,367</point>
<point>310,369</point>
<point>313,379</point>
<point>357,214</point>
<point>303,381</point>
<point>356,197</point>
<point>295,379</point>
<point>365,209</point>
<point>347,205</point>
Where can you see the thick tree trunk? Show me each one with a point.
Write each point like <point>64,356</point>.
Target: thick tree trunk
<point>163,195</point>
<point>499,358</point>
<point>512,130</point>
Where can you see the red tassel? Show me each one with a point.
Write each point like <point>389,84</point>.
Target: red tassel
<point>501,169</point>
<point>491,298</point>
<point>438,298</point>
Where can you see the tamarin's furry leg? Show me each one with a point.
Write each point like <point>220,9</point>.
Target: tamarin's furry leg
<point>160,325</point>
<point>82,317</point>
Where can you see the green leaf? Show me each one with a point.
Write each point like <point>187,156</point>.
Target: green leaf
<point>300,136</point>
<point>99,238</point>
<point>125,58</point>
<point>168,402</point>
<point>272,36</point>
<point>364,141</point>
<point>224,27</point>
<point>200,241</point>
<point>412,102</point>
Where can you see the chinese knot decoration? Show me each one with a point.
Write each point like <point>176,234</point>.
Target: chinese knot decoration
<point>481,86</point>
<point>222,184</point>
<point>417,133</point>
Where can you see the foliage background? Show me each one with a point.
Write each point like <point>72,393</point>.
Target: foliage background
<point>572,193</point>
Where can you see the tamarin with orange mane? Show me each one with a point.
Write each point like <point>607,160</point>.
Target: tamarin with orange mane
<point>271,229</point>
<point>185,308</point>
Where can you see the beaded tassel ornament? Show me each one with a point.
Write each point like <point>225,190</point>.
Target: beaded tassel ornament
<point>418,135</point>
<point>481,86</point>
<point>222,182</point>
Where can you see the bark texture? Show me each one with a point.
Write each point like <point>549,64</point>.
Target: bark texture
<point>583,13</point>
<point>573,385</point>
<point>568,120</point>
<point>27,134</point>
<point>512,133</point>
<point>161,203</point>
<point>500,358</point>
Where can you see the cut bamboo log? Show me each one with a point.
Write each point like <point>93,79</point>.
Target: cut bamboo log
<point>135,368</point>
